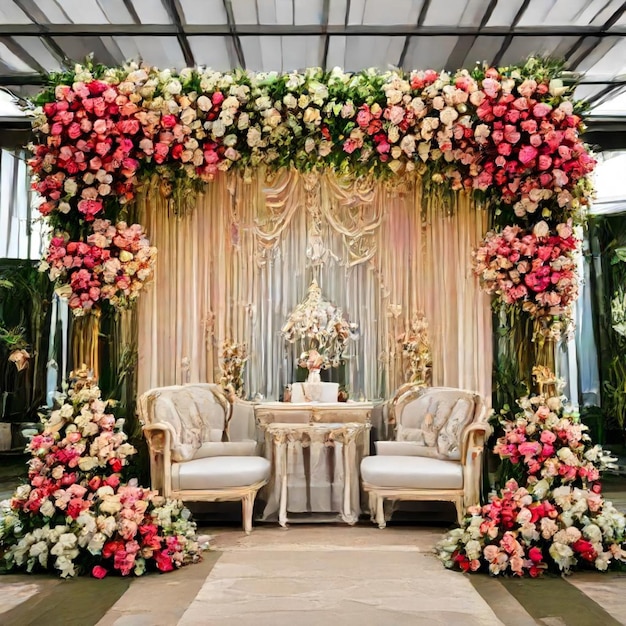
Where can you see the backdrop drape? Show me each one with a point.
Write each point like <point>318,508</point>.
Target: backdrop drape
<point>236,265</point>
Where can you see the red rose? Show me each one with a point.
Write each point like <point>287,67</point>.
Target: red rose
<point>163,561</point>
<point>98,571</point>
<point>534,554</point>
<point>96,87</point>
<point>50,108</point>
<point>168,121</point>
<point>116,465</point>
<point>111,547</point>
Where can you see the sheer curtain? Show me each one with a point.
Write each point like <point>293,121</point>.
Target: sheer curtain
<point>235,266</point>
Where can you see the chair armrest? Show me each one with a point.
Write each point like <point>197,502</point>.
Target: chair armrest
<point>159,437</point>
<point>474,436</point>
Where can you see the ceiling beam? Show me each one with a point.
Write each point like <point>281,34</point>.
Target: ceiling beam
<point>298,30</point>
<point>420,22</point>
<point>232,32</point>
<point>130,7</point>
<point>34,13</point>
<point>465,44</point>
<point>325,38</point>
<point>579,42</point>
<point>23,54</point>
<point>174,10</point>
<point>513,32</point>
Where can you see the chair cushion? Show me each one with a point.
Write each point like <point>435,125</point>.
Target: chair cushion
<point>219,472</point>
<point>404,448</point>
<point>411,472</point>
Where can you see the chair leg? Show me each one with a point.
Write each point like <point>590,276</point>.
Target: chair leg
<point>247,506</point>
<point>460,510</point>
<point>380,511</point>
<point>372,504</point>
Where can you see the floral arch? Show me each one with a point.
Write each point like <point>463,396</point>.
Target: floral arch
<point>509,138</point>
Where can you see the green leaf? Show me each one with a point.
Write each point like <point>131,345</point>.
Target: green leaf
<point>620,254</point>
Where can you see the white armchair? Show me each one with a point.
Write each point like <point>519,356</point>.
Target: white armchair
<point>437,453</point>
<point>188,429</point>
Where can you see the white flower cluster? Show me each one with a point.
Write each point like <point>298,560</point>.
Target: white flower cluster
<point>321,325</point>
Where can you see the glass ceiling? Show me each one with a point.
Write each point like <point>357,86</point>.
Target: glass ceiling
<point>283,35</point>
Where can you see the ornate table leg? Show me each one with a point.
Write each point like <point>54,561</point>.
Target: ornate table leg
<point>348,515</point>
<point>280,454</point>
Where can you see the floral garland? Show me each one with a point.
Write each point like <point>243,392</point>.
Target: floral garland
<point>510,134</point>
<point>112,265</point>
<point>76,515</point>
<point>554,516</point>
<point>536,268</point>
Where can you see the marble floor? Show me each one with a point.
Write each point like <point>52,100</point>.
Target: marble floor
<point>315,575</point>
<point>318,574</point>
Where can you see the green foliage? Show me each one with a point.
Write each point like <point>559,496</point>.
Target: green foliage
<point>25,296</point>
<point>609,240</point>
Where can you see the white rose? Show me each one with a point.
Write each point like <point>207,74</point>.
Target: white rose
<point>253,137</point>
<point>204,103</point>
<point>47,509</point>
<point>312,116</point>
<point>556,87</point>
<point>173,87</point>
<point>70,186</point>
<point>541,229</point>
<point>243,122</point>
<point>394,96</point>
<point>219,129</point>
<point>290,101</point>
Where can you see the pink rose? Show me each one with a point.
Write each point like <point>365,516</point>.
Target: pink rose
<point>564,230</point>
<point>527,154</point>
<point>511,134</point>
<point>74,130</point>
<point>89,208</point>
<point>349,146</point>
<point>491,87</point>
<point>363,117</point>
<point>541,109</point>
<point>168,121</point>
<point>544,162</point>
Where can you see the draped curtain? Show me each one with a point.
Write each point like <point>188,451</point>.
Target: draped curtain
<point>237,264</point>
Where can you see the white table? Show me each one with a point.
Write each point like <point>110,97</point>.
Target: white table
<point>315,451</point>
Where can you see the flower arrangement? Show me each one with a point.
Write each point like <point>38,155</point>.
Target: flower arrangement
<point>76,515</point>
<point>536,268</point>
<point>113,264</point>
<point>514,130</point>
<point>233,357</point>
<point>511,134</point>
<point>523,533</point>
<point>416,349</point>
<point>554,517</point>
<point>321,325</point>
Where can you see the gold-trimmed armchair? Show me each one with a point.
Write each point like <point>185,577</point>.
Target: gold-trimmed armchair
<point>436,454</point>
<point>192,457</point>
